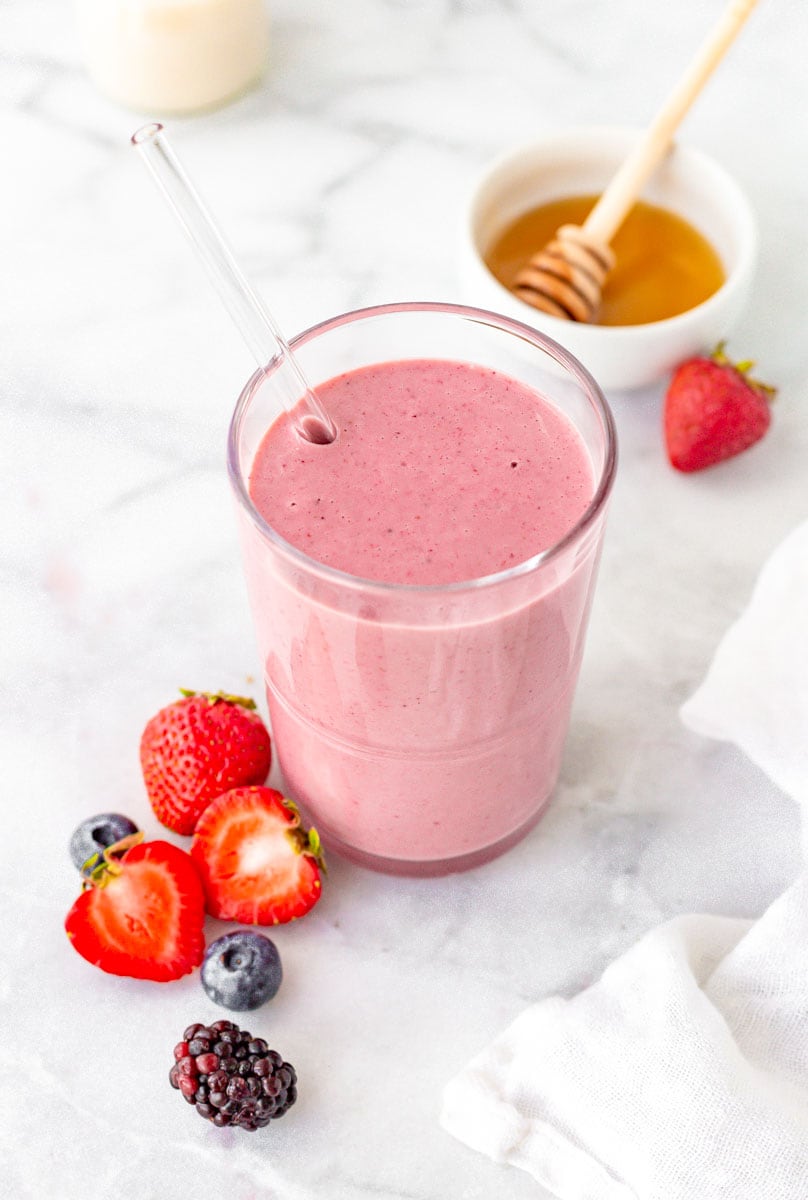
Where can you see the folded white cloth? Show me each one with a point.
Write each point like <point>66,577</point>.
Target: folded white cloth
<point>682,1074</point>
<point>756,690</point>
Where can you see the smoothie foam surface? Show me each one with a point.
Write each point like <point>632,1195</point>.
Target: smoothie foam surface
<point>441,472</point>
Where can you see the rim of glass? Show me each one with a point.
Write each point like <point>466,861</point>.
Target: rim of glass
<point>480,316</point>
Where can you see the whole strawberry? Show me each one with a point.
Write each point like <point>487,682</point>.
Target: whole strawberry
<point>197,748</point>
<point>713,411</point>
<point>141,912</point>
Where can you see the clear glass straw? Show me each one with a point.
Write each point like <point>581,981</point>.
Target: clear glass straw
<point>253,320</point>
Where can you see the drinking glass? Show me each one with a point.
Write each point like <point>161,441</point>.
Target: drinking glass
<point>421,728</point>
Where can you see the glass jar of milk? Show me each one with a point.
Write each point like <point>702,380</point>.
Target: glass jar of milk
<point>173,56</point>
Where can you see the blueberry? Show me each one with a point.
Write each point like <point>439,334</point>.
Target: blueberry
<point>96,833</point>
<point>241,970</point>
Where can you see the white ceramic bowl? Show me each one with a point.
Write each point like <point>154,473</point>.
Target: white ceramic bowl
<point>582,161</point>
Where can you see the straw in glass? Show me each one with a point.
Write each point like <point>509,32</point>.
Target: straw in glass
<point>251,317</point>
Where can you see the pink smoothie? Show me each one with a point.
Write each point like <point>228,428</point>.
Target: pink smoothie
<point>426,734</point>
<point>441,472</point>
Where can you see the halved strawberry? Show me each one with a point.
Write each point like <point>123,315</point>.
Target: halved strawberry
<point>257,863</point>
<point>141,913</point>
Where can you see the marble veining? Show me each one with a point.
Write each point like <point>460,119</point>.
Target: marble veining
<point>340,181</point>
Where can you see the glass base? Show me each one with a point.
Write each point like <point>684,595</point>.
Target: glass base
<point>431,867</point>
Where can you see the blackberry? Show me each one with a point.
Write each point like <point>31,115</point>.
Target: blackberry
<point>247,1086</point>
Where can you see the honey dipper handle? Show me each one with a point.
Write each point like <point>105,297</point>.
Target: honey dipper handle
<point>612,208</point>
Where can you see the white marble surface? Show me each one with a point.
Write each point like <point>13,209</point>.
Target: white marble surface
<point>340,182</point>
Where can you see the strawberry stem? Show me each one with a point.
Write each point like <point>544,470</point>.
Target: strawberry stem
<point>743,368</point>
<point>304,841</point>
<point>315,850</point>
<point>217,697</point>
<point>104,866</point>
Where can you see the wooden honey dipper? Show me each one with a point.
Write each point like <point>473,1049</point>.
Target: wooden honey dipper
<point>566,278</point>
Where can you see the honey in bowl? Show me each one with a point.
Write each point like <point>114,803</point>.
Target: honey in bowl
<point>663,265</point>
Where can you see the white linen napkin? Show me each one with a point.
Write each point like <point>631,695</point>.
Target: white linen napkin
<point>682,1074</point>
